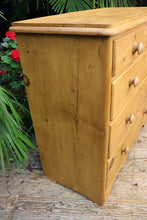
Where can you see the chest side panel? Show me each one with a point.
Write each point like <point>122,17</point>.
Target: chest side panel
<point>69,98</point>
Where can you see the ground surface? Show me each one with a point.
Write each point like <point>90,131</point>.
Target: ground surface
<point>32,196</point>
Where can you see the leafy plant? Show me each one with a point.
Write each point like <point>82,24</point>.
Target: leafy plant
<point>10,62</point>
<point>11,76</point>
<point>115,3</point>
<point>14,141</point>
<point>60,6</point>
<point>42,3</point>
<point>23,9</point>
<point>2,15</point>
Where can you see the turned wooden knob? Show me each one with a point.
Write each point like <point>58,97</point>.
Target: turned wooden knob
<point>137,47</point>
<point>140,47</point>
<point>133,81</point>
<point>145,112</point>
<point>130,118</point>
<point>125,150</point>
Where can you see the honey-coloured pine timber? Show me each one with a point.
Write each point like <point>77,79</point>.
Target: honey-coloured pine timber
<point>86,81</point>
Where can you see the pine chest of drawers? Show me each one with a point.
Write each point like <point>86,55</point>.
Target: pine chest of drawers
<point>86,80</point>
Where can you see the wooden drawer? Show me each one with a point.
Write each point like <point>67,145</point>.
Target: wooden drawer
<point>125,121</point>
<point>127,48</point>
<point>126,84</point>
<point>118,158</point>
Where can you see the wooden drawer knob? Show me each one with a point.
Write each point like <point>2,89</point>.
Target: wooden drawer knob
<point>130,118</point>
<point>125,150</point>
<point>138,48</point>
<point>145,112</point>
<point>133,81</point>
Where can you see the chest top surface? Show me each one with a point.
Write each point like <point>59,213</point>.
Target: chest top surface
<point>106,21</point>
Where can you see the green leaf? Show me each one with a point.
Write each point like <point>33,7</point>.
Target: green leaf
<point>6,45</point>
<point>19,70</point>
<point>20,154</point>
<point>13,44</point>
<point>14,141</point>
<point>22,83</point>
<point>6,39</point>
<point>6,153</point>
<point>15,64</point>
<point>6,59</point>
<point>2,159</point>
<point>13,155</point>
<point>2,53</point>
<point>61,6</point>
<point>13,72</point>
<point>2,15</point>
<point>5,76</point>
<point>8,52</point>
<point>26,140</point>
<point>7,68</point>
<point>37,5</point>
<point>15,85</point>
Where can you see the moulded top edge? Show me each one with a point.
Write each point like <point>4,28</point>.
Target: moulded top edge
<point>105,18</point>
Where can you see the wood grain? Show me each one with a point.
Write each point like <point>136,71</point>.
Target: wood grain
<point>46,208</point>
<point>103,18</point>
<point>119,127</point>
<point>71,92</point>
<point>73,107</point>
<point>104,22</point>
<point>116,162</point>
<point>7,206</point>
<point>32,196</point>
<point>120,86</point>
<point>126,57</point>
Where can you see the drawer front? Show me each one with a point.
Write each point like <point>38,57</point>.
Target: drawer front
<point>126,119</point>
<point>118,158</point>
<point>127,48</point>
<point>126,84</point>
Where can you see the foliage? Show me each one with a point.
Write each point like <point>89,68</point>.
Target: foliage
<point>11,76</point>
<point>115,3</point>
<point>60,6</point>
<point>118,3</point>
<point>14,141</point>
<point>2,15</point>
<point>22,9</point>
<point>11,64</point>
<point>42,3</point>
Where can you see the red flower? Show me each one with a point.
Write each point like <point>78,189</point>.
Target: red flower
<point>11,35</point>
<point>2,72</point>
<point>15,55</point>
